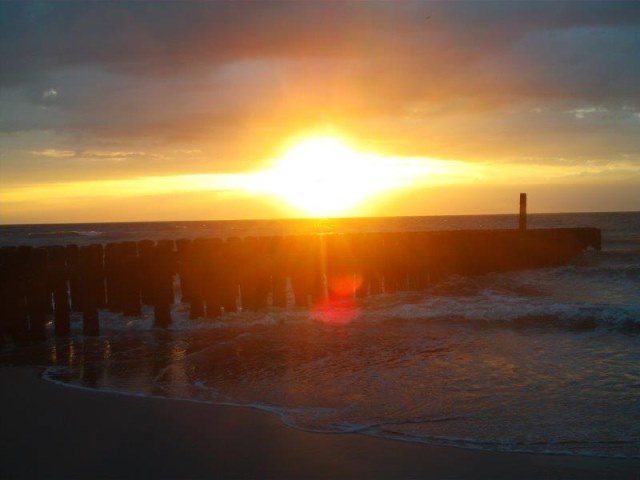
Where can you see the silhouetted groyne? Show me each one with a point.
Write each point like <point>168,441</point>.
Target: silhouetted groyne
<point>216,276</point>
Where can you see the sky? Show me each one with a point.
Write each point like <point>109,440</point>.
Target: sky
<point>117,111</point>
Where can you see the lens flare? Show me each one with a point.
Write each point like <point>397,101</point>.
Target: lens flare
<point>343,286</point>
<point>339,307</point>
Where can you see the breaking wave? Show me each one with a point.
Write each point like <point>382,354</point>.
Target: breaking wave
<point>487,308</point>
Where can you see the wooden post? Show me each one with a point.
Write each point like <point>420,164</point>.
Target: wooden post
<point>111,277</point>
<point>38,294</point>
<point>340,266</point>
<point>72,260</point>
<point>209,277</point>
<point>162,281</point>
<point>279,272</point>
<point>145,248</point>
<point>374,264</point>
<point>255,272</point>
<point>14,319</point>
<point>229,259</point>
<point>90,276</point>
<point>183,250</point>
<point>129,279</point>
<point>392,270</point>
<point>301,265</point>
<point>198,277</point>
<point>523,211</point>
<point>248,258</point>
<point>58,275</point>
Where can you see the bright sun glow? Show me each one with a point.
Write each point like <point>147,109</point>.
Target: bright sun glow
<point>324,176</point>
<point>317,175</point>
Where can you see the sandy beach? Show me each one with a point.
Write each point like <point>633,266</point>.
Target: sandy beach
<point>53,431</point>
<point>320,240</point>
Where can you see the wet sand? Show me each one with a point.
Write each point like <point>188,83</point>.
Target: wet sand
<point>53,431</point>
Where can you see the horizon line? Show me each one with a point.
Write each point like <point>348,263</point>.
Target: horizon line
<point>515,214</point>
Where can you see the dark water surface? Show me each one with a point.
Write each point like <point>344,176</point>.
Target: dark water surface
<point>540,361</point>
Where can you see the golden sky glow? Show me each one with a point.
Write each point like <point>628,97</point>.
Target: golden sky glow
<point>314,175</point>
<point>213,110</point>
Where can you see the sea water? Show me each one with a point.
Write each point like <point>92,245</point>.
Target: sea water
<point>544,360</point>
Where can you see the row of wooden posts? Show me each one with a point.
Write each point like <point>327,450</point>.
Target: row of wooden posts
<point>37,283</point>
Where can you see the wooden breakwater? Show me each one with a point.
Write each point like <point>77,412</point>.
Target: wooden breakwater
<point>216,275</point>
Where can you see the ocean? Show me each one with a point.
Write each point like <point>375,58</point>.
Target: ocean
<point>544,361</point>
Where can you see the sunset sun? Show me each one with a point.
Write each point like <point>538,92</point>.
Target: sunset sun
<point>325,175</point>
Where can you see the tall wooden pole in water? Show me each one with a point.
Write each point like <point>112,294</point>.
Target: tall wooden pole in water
<point>523,211</point>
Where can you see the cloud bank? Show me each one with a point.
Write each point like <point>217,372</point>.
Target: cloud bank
<point>516,82</point>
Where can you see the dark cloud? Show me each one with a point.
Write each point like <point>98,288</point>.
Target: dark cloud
<point>224,71</point>
<point>170,36</point>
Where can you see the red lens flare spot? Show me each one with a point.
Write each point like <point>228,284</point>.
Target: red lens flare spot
<point>339,308</point>
<point>343,286</point>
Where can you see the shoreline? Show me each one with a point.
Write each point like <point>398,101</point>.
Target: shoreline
<point>54,431</point>
<point>274,411</point>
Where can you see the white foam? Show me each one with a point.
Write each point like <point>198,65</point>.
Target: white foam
<point>287,415</point>
<point>490,306</point>
<point>486,306</point>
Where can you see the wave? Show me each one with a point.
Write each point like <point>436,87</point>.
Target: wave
<point>579,448</point>
<point>492,307</point>
<point>474,311</point>
<point>607,269</point>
